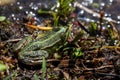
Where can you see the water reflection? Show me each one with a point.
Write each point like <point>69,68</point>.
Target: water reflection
<point>24,7</point>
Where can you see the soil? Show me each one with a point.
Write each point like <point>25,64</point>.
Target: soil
<point>100,59</point>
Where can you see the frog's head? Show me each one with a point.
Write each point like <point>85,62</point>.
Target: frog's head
<point>60,29</point>
<point>64,33</point>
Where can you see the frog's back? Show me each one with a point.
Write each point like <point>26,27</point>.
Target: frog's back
<point>49,39</point>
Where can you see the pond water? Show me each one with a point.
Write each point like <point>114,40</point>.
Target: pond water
<point>23,7</point>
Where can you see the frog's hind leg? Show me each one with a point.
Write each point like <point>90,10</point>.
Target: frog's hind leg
<point>32,57</point>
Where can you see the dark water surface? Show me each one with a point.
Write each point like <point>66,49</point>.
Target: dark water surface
<point>23,7</point>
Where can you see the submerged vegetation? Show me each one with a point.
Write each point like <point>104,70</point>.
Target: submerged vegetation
<point>61,47</point>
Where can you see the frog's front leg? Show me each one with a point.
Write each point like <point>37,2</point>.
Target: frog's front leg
<point>32,57</point>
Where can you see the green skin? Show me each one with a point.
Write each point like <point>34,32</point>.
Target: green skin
<point>32,50</point>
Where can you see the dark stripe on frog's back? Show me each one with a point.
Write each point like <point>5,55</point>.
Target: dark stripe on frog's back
<point>48,41</point>
<point>46,36</point>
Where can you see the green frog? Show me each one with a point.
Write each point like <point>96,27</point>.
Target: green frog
<point>33,49</point>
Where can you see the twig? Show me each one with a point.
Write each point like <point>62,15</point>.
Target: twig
<point>98,68</point>
<point>117,48</point>
<point>116,32</point>
<point>102,67</point>
<point>10,41</point>
<point>108,74</point>
<point>66,75</point>
<point>13,40</point>
<point>77,4</point>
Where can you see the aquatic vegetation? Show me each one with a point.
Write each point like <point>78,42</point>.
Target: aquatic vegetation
<point>44,68</point>
<point>2,18</point>
<point>3,67</point>
<point>77,53</point>
<point>93,29</point>
<point>61,11</point>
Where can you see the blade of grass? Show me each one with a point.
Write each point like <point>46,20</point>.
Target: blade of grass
<point>36,77</point>
<point>43,68</point>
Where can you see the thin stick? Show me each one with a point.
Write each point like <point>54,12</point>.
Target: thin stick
<point>13,40</point>
<point>98,68</point>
